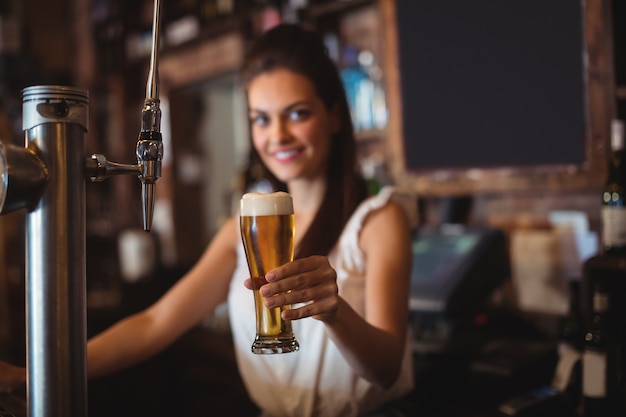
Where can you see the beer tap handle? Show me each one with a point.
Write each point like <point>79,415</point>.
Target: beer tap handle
<point>150,144</point>
<point>98,168</point>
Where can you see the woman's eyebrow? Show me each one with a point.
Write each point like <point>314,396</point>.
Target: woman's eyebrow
<point>257,112</point>
<point>296,104</point>
<point>287,108</point>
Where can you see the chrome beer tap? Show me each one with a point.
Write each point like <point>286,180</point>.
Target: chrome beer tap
<point>47,178</point>
<point>150,143</point>
<point>149,148</point>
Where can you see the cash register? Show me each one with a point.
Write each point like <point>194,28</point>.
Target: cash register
<point>454,272</point>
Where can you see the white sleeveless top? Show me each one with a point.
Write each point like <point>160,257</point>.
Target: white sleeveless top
<point>316,380</point>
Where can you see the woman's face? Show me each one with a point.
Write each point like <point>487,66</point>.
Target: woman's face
<point>291,127</point>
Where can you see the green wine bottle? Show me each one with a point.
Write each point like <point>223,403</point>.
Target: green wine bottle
<point>614,194</point>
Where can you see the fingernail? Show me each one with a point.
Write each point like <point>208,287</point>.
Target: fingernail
<point>265,291</point>
<point>269,302</point>
<point>270,276</point>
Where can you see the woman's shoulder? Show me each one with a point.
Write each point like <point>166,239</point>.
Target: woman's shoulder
<point>381,205</point>
<point>389,215</point>
<point>378,225</point>
<point>394,202</point>
<point>383,215</point>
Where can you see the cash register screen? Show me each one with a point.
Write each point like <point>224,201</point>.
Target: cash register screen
<point>464,264</point>
<point>437,257</point>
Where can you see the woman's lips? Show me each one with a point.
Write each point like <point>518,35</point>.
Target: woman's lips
<point>286,155</point>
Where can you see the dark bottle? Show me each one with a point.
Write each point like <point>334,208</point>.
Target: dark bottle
<point>604,296</point>
<point>572,329</point>
<point>568,375</point>
<point>614,195</point>
<point>600,387</point>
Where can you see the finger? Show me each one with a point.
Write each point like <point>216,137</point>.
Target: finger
<point>301,281</point>
<point>323,310</point>
<point>314,293</point>
<point>295,267</point>
<point>248,283</point>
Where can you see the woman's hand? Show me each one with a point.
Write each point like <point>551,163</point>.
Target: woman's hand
<point>311,281</point>
<point>11,377</point>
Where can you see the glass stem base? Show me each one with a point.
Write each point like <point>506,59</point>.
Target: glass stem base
<point>268,345</point>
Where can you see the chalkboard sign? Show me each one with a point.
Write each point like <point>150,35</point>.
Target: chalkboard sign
<point>491,83</point>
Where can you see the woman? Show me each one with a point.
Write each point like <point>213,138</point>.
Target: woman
<point>349,281</point>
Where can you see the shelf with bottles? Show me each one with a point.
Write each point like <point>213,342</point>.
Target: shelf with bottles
<point>351,29</point>
<point>123,29</point>
<point>353,38</point>
<point>191,21</point>
<point>319,8</point>
<point>202,19</point>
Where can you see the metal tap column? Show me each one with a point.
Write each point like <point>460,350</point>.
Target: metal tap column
<point>55,123</point>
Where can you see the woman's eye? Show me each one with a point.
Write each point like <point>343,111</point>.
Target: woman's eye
<point>259,120</point>
<point>299,114</point>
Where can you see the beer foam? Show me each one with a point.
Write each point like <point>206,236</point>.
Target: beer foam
<point>258,204</point>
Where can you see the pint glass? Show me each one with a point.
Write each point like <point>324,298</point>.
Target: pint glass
<point>267,231</point>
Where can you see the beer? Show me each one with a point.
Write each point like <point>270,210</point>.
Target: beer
<point>268,231</point>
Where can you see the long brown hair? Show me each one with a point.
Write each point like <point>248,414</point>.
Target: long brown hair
<point>294,48</point>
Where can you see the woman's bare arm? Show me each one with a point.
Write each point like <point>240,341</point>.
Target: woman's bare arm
<point>196,294</point>
<point>374,346</point>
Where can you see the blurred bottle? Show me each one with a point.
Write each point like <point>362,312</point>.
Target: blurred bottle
<point>600,387</point>
<point>572,328</point>
<point>375,172</point>
<point>604,296</point>
<point>362,80</point>
<point>613,195</point>
<point>358,88</point>
<point>568,373</point>
<point>376,101</point>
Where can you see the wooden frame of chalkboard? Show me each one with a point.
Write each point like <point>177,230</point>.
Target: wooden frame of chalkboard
<point>489,96</point>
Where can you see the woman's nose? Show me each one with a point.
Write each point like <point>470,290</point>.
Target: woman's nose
<point>279,132</point>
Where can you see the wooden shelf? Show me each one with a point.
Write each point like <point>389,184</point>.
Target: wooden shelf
<point>320,10</point>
